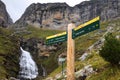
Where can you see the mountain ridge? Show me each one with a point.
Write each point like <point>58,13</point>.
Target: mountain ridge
<point>58,15</point>
<point>5,19</point>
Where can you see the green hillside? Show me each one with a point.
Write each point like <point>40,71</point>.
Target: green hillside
<point>81,45</point>
<point>104,71</point>
<point>9,52</point>
<point>31,31</point>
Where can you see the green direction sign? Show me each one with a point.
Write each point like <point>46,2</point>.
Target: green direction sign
<point>78,31</point>
<point>61,37</point>
<point>86,27</point>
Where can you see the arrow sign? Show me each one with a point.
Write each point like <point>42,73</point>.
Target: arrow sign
<point>61,37</point>
<point>73,33</point>
<point>78,31</point>
<point>86,27</point>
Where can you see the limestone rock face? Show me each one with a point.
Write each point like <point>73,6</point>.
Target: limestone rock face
<point>51,15</point>
<point>58,15</point>
<point>107,9</point>
<point>5,19</point>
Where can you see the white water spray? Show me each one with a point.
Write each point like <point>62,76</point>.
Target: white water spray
<point>28,68</point>
<point>44,71</point>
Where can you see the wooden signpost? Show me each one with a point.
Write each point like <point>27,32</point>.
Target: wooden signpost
<point>70,53</point>
<point>69,36</point>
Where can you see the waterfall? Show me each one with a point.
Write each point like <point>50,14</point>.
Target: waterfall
<point>28,68</point>
<point>44,71</point>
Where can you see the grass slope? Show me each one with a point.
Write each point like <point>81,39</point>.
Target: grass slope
<point>38,32</point>
<point>8,54</point>
<point>104,70</point>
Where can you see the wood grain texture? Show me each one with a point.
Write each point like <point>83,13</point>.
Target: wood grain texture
<point>70,54</point>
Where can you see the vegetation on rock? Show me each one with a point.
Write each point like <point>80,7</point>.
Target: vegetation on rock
<point>9,54</point>
<point>111,49</point>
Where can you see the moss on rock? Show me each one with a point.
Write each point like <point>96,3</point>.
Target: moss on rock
<point>9,53</point>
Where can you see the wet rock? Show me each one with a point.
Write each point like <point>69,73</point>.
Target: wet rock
<point>41,53</point>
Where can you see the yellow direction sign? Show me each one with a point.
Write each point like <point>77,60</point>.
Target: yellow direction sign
<point>61,37</point>
<point>86,27</point>
<point>78,31</point>
<point>69,37</point>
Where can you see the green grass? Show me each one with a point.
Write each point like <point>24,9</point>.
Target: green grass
<point>109,73</point>
<point>6,44</point>
<point>39,33</point>
<point>58,70</point>
<point>8,54</point>
<point>2,72</point>
<point>105,70</point>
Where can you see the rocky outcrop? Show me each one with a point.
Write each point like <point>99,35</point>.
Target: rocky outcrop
<point>58,15</point>
<point>5,19</point>
<point>51,15</point>
<point>107,9</point>
<point>45,56</point>
<point>83,73</point>
<point>38,47</point>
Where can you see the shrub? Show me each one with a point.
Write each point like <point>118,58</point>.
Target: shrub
<point>111,49</point>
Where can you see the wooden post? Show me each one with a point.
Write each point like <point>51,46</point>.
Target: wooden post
<point>70,54</point>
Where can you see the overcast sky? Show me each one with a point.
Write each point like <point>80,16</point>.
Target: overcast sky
<point>17,7</point>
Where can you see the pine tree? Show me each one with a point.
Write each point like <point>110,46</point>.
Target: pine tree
<point>111,49</point>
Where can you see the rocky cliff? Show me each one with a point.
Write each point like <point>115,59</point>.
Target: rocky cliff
<point>51,15</point>
<point>45,56</point>
<point>106,9</point>
<point>58,15</point>
<point>5,19</point>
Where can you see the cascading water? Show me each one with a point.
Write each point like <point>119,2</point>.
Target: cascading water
<point>28,68</point>
<point>44,71</point>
